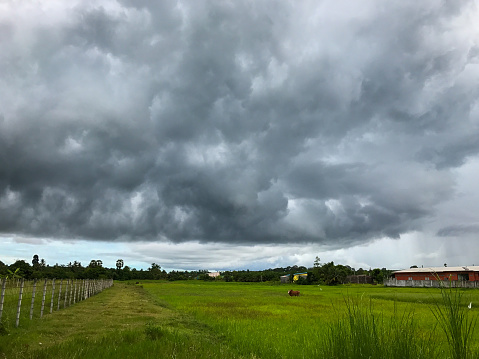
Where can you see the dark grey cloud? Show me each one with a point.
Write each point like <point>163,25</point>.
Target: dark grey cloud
<point>458,230</point>
<point>254,122</point>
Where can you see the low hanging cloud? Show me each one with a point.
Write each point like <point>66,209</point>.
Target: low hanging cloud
<point>333,122</point>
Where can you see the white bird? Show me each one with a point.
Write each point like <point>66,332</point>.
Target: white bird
<point>470,305</point>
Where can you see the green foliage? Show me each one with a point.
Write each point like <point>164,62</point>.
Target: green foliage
<point>119,264</point>
<point>154,332</point>
<point>365,333</point>
<point>12,274</point>
<point>35,260</point>
<point>94,263</point>
<point>454,318</point>
<point>3,330</point>
<point>206,277</point>
<point>155,272</point>
<point>329,273</point>
<point>96,270</point>
<point>305,280</point>
<point>20,269</point>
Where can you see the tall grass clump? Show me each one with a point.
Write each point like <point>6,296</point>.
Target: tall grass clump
<point>363,333</point>
<point>454,318</point>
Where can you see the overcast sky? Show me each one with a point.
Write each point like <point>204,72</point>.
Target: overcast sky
<point>240,134</point>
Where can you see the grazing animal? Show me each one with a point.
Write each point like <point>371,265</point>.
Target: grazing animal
<point>293,293</point>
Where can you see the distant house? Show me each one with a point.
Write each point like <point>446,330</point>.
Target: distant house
<point>214,274</point>
<point>296,276</point>
<point>467,276</point>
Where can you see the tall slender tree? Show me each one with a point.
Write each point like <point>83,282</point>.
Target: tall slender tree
<point>119,264</point>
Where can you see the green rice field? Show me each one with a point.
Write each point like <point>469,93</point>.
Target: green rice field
<point>196,319</point>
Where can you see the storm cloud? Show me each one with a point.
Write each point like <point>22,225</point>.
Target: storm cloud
<point>252,122</point>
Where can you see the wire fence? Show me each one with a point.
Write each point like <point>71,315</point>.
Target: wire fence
<point>21,300</point>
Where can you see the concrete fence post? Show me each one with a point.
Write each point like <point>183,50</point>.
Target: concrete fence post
<point>66,294</point>
<point>33,297</point>
<point>53,295</point>
<point>59,294</point>
<point>2,296</point>
<point>19,306</point>
<point>75,295</point>
<point>43,298</point>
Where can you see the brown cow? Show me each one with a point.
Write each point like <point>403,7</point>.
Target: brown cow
<point>293,293</point>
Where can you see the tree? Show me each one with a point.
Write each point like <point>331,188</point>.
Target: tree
<point>95,263</point>
<point>377,275</point>
<point>127,274</point>
<point>24,269</point>
<point>35,260</point>
<point>331,274</point>
<point>119,264</point>
<point>3,269</point>
<point>155,271</point>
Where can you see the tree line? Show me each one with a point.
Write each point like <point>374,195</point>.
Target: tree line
<point>320,273</point>
<point>75,270</point>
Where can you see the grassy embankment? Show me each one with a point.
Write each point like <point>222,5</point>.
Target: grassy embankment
<point>232,320</point>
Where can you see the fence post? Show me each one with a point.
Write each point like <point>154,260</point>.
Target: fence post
<point>33,298</point>
<point>82,287</point>
<point>66,294</point>
<point>2,297</point>
<point>53,295</point>
<point>71,293</point>
<point>75,295</point>
<point>59,293</point>
<point>43,298</point>
<point>17,322</point>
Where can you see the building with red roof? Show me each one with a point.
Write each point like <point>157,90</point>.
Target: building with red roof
<point>467,277</point>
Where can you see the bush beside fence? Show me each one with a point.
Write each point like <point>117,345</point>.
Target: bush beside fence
<point>21,299</point>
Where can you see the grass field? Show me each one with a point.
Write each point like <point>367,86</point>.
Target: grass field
<point>198,319</point>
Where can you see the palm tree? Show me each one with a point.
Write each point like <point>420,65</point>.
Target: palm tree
<point>119,264</point>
